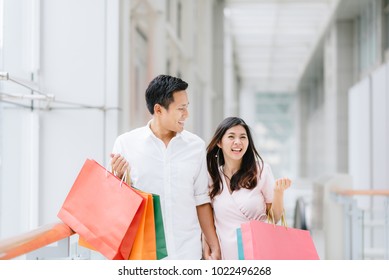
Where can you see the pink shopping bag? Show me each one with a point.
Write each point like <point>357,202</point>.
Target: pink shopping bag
<point>263,241</point>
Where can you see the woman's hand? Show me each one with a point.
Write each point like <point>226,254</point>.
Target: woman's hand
<point>282,184</point>
<point>277,206</point>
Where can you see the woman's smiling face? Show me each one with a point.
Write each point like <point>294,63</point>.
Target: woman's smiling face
<point>234,143</point>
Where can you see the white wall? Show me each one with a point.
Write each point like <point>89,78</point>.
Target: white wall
<point>368,131</point>
<point>78,63</point>
<point>74,69</point>
<point>368,151</point>
<point>359,158</point>
<point>379,149</point>
<point>19,145</point>
<point>379,122</point>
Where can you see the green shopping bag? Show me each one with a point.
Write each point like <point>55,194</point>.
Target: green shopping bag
<point>159,229</point>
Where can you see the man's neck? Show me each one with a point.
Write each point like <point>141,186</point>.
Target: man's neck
<point>161,133</point>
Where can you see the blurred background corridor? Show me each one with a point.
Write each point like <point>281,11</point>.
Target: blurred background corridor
<point>310,77</point>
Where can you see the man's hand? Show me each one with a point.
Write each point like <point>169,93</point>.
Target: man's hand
<point>119,165</point>
<point>215,254</point>
<point>208,252</point>
<point>206,249</point>
<point>211,248</point>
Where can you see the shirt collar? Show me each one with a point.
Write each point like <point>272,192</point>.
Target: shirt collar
<point>148,129</point>
<point>151,133</point>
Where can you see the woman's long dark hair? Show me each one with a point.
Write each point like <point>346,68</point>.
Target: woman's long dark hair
<point>246,176</point>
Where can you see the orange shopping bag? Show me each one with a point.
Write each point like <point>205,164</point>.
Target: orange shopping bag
<point>104,211</point>
<point>144,247</point>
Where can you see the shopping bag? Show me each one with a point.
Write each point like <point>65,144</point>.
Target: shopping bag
<point>266,241</point>
<point>144,247</point>
<point>240,244</point>
<point>159,229</point>
<point>161,250</point>
<point>104,211</point>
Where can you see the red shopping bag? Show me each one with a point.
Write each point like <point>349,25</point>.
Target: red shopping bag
<point>263,241</point>
<point>104,211</point>
<point>145,244</point>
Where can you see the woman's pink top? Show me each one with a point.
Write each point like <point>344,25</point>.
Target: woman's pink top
<point>232,210</point>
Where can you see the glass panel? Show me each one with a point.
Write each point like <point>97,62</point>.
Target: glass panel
<point>386,24</point>
<point>274,127</point>
<point>368,54</point>
<point>179,19</point>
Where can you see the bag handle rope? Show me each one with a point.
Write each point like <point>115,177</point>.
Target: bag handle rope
<point>270,217</point>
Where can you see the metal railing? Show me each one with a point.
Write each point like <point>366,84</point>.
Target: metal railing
<point>355,221</point>
<point>25,243</point>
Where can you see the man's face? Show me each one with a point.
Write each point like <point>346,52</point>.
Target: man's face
<point>174,118</point>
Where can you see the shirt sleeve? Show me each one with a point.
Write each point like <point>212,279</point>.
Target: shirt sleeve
<point>201,182</point>
<point>117,147</point>
<point>268,181</point>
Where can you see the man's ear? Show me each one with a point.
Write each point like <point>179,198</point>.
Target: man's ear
<point>157,109</point>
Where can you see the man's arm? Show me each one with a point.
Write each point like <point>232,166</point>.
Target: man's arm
<point>205,215</point>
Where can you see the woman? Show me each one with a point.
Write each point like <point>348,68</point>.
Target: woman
<point>242,186</point>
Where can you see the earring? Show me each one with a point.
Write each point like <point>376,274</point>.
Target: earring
<point>217,156</point>
<point>217,153</point>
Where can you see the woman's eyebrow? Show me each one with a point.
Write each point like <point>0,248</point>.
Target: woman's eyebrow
<point>231,132</point>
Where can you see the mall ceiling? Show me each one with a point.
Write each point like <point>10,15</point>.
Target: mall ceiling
<point>275,39</point>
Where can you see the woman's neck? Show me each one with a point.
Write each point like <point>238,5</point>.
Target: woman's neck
<point>231,167</point>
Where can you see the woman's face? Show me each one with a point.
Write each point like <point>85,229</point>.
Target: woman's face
<point>234,143</point>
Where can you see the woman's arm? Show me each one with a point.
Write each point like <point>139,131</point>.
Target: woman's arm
<point>277,206</point>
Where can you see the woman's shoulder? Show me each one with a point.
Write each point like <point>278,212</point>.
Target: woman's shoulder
<point>264,171</point>
<point>263,166</point>
<point>266,166</point>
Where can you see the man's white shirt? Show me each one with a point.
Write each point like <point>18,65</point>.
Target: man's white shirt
<point>178,173</point>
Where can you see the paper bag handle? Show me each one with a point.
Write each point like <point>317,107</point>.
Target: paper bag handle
<point>270,217</point>
<point>125,178</point>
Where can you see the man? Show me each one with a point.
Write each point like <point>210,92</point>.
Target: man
<point>165,159</point>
